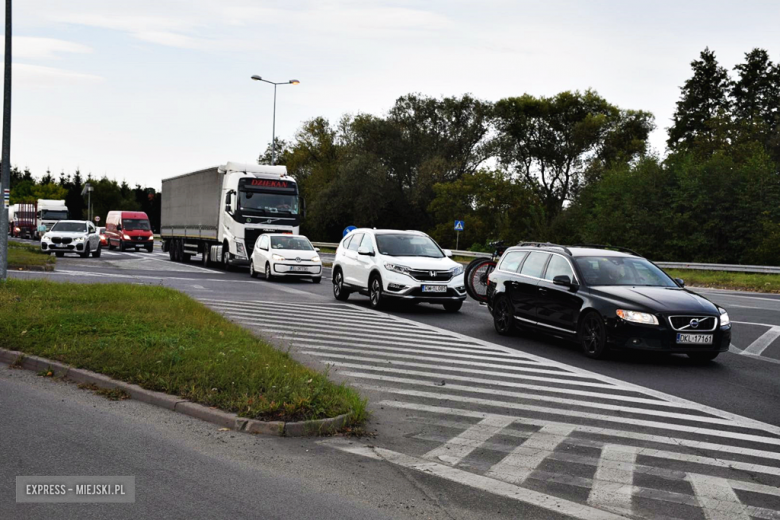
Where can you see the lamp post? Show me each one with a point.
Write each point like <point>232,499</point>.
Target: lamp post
<point>5,169</point>
<point>273,131</point>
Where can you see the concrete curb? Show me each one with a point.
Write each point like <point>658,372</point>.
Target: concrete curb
<point>175,403</point>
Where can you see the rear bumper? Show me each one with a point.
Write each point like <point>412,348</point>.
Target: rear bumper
<point>623,335</point>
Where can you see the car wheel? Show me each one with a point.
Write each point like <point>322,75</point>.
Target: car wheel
<point>268,275</point>
<point>593,336</point>
<point>59,254</point>
<point>703,356</point>
<point>150,248</point>
<point>339,292</point>
<point>111,246</point>
<point>453,306</point>
<point>252,271</point>
<point>503,317</point>
<point>121,245</point>
<point>96,254</point>
<point>85,254</point>
<point>205,256</point>
<point>375,295</point>
<point>317,279</point>
<point>225,258</point>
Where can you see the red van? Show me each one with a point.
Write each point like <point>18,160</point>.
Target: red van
<point>129,230</point>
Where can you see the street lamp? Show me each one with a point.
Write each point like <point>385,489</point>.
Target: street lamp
<point>273,131</point>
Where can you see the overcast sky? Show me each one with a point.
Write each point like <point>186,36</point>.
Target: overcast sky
<point>146,89</point>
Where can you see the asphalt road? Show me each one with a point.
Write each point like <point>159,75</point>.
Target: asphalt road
<point>450,398</point>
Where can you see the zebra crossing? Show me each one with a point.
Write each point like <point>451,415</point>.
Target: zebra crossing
<point>527,428</point>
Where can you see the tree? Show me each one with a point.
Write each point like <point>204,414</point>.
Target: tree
<point>756,99</point>
<point>282,152</point>
<point>704,96</point>
<point>556,143</point>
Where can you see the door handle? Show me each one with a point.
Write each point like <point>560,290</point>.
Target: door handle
<point>542,290</point>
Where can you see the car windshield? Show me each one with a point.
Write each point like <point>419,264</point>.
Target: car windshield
<point>291,242</point>
<point>47,214</point>
<point>70,227</point>
<point>615,270</point>
<point>408,245</point>
<point>135,224</point>
<point>268,203</point>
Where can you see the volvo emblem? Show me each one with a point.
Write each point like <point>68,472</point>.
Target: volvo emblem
<point>694,323</point>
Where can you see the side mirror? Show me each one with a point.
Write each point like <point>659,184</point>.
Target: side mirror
<point>317,249</point>
<point>564,281</point>
<point>119,227</point>
<point>365,251</point>
<point>448,253</point>
<point>680,282</point>
<point>229,201</point>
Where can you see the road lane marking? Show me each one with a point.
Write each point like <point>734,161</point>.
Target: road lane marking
<point>759,345</point>
<point>717,498</point>
<point>525,458</point>
<point>625,434</point>
<point>584,415</point>
<point>614,479</point>
<point>460,446</point>
<point>492,486</point>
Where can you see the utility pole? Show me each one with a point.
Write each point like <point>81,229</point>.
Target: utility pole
<point>5,169</point>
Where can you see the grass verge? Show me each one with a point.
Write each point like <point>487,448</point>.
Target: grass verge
<point>163,340</point>
<point>757,282</point>
<point>27,256</point>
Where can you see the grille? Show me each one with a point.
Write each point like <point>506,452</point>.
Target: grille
<point>139,238</point>
<point>703,323</point>
<point>430,276</point>
<point>250,237</point>
<point>58,240</point>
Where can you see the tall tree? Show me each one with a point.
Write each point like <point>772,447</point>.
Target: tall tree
<point>704,97</point>
<point>553,143</point>
<point>756,100</point>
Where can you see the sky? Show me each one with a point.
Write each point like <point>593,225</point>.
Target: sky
<point>148,89</point>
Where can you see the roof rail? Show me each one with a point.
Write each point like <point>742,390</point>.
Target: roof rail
<point>615,248</point>
<point>546,244</point>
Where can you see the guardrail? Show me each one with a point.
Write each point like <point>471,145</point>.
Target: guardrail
<point>736,268</point>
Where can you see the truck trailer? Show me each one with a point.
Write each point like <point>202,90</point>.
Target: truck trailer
<point>22,220</point>
<point>218,213</point>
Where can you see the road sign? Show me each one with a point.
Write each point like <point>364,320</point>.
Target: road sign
<point>459,225</point>
<point>348,230</point>
<point>97,219</point>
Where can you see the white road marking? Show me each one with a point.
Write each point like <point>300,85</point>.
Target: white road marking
<point>717,498</point>
<point>614,479</point>
<point>492,486</point>
<point>759,345</point>
<point>585,415</point>
<point>623,434</point>
<point>459,447</point>
<point>524,459</point>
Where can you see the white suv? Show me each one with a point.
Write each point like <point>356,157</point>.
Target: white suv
<point>398,265</point>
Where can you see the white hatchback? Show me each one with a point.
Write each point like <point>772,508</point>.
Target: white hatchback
<point>278,254</point>
<point>397,265</point>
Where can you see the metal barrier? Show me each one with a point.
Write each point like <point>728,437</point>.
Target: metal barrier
<point>766,269</point>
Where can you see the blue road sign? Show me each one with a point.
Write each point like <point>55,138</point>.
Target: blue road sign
<point>459,225</point>
<point>348,230</point>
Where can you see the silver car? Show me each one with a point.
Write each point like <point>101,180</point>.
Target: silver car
<point>72,236</point>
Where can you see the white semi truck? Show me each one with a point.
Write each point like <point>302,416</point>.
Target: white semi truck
<point>218,213</point>
<point>48,213</point>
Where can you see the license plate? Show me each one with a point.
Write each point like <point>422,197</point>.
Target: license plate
<point>300,268</point>
<point>434,288</point>
<point>695,339</point>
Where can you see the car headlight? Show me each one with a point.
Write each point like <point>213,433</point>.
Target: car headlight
<point>126,237</point>
<point>637,317</point>
<point>78,239</point>
<point>724,317</point>
<point>150,237</point>
<point>457,270</point>
<point>315,258</point>
<point>398,268</point>
<point>277,258</point>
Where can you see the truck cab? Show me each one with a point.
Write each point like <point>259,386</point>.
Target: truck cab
<point>49,212</point>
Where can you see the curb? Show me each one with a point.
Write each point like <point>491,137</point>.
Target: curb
<point>176,403</point>
<point>47,268</point>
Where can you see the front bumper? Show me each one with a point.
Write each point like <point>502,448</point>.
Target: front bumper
<point>402,287</point>
<point>287,269</point>
<point>50,246</point>
<point>661,338</point>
